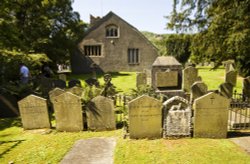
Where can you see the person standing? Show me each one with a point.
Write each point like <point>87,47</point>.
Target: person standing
<point>24,74</point>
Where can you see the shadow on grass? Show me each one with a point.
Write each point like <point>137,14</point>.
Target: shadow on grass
<point>235,134</point>
<point>9,122</point>
<point>13,145</point>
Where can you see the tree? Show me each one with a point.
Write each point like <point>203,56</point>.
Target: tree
<point>223,29</point>
<point>179,47</point>
<point>40,26</point>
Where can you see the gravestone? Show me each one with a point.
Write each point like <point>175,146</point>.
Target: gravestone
<point>55,92</point>
<point>226,90</point>
<point>145,118</point>
<point>141,79</point>
<point>34,112</point>
<point>211,116</point>
<point>46,85</point>
<point>190,75</point>
<point>62,77</point>
<point>231,77</point>
<point>198,89</point>
<point>74,82</point>
<point>76,90</point>
<point>229,65</point>
<point>177,117</point>
<point>167,79</point>
<point>246,88</point>
<point>68,112</point>
<point>59,83</point>
<point>101,114</point>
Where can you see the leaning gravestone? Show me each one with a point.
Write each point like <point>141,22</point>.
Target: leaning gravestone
<point>190,75</point>
<point>198,89</point>
<point>177,117</point>
<point>101,114</point>
<point>34,112</point>
<point>68,112</point>
<point>231,77</point>
<point>246,87</point>
<point>211,116</point>
<point>145,118</point>
<point>141,79</point>
<point>226,90</point>
<point>76,90</point>
<point>54,93</point>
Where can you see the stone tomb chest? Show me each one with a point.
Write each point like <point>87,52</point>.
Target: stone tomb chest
<point>166,73</point>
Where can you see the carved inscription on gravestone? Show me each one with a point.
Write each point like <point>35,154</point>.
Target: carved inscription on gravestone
<point>211,116</point>
<point>34,112</point>
<point>145,117</point>
<point>68,112</point>
<point>101,114</point>
<point>167,79</point>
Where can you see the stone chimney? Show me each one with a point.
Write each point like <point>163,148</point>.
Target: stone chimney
<point>93,20</point>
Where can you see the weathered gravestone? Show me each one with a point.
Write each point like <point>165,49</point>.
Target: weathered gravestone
<point>68,112</point>
<point>231,77</point>
<point>229,65</point>
<point>167,79</point>
<point>246,88</point>
<point>198,89</point>
<point>76,90</point>
<point>145,118</point>
<point>141,79</point>
<point>54,93</point>
<point>101,114</point>
<point>62,77</point>
<point>211,116</point>
<point>34,112</point>
<point>59,83</point>
<point>177,117</point>
<point>190,75</point>
<point>226,90</point>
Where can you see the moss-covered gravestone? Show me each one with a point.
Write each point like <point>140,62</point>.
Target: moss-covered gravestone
<point>145,118</point>
<point>211,116</point>
<point>34,112</point>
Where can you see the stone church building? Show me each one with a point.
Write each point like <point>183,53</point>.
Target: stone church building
<point>113,45</point>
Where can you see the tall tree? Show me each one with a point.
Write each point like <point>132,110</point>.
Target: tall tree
<point>40,26</point>
<point>223,29</point>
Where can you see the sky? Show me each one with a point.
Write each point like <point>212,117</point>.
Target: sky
<point>145,15</point>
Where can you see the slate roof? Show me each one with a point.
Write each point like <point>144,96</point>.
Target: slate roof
<point>166,61</point>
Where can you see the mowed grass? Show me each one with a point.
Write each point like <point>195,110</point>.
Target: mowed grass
<point>29,147</point>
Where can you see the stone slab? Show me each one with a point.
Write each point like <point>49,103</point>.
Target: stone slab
<point>91,151</point>
<point>167,79</point>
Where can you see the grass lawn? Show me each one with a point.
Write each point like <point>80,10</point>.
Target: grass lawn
<point>50,147</point>
<point>36,147</point>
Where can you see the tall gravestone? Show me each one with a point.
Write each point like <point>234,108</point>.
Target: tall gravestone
<point>246,88</point>
<point>231,77</point>
<point>211,116</point>
<point>226,90</point>
<point>190,75</point>
<point>101,114</point>
<point>177,117</point>
<point>55,92</point>
<point>145,118</point>
<point>141,79</point>
<point>198,89</point>
<point>68,112</point>
<point>34,112</point>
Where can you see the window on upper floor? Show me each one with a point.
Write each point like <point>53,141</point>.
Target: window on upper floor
<point>133,56</point>
<point>92,50</point>
<point>112,31</point>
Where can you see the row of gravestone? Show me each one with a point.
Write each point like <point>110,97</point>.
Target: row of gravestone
<point>149,118</point>
<point>69,113</point>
